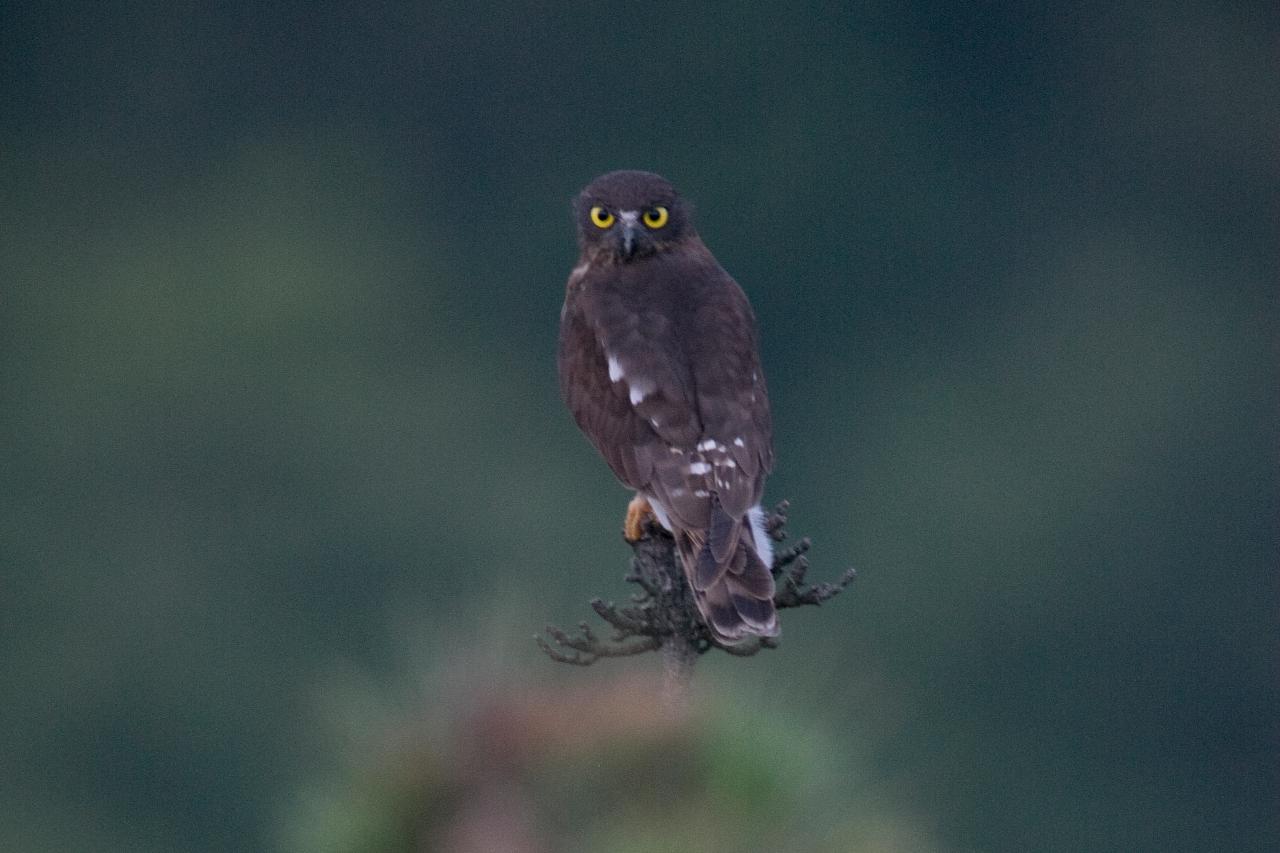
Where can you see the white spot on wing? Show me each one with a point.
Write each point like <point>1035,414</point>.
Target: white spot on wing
<point>707,445</point>
<point>699,468</point>
<point>639,390</point>
<point>701,493</point>
<point>738,442</point>
<point>615,369</point>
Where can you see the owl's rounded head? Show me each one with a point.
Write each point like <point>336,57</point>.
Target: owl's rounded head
<point>630,214</point>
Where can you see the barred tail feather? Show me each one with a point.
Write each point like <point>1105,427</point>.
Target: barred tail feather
<point>734,595</point>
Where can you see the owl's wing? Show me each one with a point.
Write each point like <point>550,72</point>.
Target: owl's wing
<point>664,378</point>
<point>626,386</point>
<point>733,401</point>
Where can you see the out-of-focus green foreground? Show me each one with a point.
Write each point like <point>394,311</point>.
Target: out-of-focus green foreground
<point>288,488</point>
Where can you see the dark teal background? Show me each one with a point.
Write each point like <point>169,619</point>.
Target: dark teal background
<point>279,288</point>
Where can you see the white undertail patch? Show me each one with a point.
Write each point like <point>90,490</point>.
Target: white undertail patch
<point>760,536</point>
<point>660,513</point>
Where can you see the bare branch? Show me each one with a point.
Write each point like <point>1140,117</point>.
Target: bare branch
<point>795,593</point>
<point>586,648</point>
<point>787,556</point>
<point>775,523</point>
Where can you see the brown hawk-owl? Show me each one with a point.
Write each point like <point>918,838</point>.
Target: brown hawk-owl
<point>658,365</point>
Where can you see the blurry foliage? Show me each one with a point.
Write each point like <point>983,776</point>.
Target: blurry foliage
<point>598,768</point>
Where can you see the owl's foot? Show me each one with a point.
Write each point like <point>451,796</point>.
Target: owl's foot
<point>638,511</point>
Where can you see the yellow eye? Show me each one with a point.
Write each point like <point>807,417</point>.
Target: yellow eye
<point>656,217</point>
<point>601,217</point>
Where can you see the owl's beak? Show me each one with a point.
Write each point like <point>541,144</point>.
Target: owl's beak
<point>629,229</point>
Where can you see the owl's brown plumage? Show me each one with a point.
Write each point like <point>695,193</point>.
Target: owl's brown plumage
<point>658,364</point>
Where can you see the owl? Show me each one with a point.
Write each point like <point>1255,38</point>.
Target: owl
<point>659,367</point>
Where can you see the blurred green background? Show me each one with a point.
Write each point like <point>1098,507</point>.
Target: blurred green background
<point>286,474</point>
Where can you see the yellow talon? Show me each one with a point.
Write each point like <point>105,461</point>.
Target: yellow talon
<point>638,511</point>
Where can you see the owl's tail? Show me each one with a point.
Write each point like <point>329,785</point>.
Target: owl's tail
<point>731,584</point>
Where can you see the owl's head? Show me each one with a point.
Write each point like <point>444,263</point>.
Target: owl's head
<point>630,215</point>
